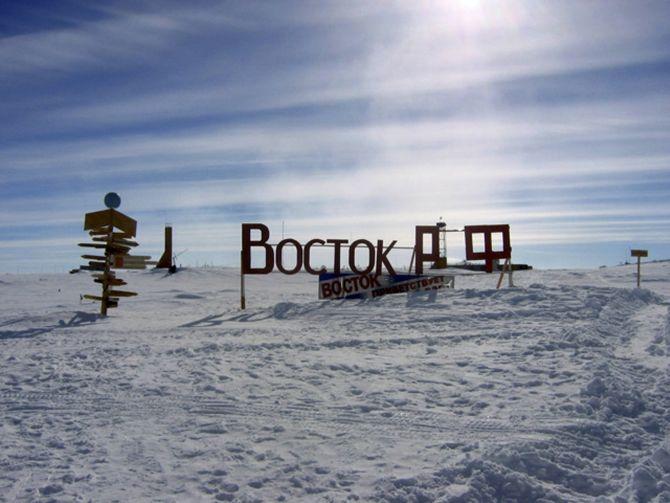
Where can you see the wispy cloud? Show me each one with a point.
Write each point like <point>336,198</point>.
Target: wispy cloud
<point>351,118</point>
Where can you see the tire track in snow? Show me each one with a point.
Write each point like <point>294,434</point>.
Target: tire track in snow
<point>397,422</point>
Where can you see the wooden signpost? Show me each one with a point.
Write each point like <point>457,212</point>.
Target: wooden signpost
<point>639,254</point>
<point>506,268</point>
<point>115,245</point>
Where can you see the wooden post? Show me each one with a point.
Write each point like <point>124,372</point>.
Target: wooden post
<point>243,300</point>
<point>105,281</point>
<point>502,273</point>
<point>639,254</point>
<point>639,260</point>
<point>103,302</point>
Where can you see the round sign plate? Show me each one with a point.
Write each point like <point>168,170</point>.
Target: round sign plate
<point>112,200</point>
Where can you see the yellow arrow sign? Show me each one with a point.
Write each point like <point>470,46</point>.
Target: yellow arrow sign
<point>110,217</point>
<point>121,293</point>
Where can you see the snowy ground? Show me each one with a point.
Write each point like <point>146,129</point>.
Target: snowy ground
<point>554,391</point>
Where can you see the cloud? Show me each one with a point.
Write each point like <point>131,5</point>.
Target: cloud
<point>355,118</point>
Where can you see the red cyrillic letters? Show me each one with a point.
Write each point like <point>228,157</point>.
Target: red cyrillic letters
<point>280,255</point>
<point>382,259</point>
<point>308,247</point>
<point>247,243</point>
<point>336,261</point>
<point>352,256</point>
<point>421,257</point>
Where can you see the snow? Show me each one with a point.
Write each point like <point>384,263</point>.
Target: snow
<point>557,390</point>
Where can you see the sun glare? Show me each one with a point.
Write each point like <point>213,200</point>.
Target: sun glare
<point>471,16</point>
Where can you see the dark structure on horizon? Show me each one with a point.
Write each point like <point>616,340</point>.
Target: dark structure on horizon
<point>167,259</point>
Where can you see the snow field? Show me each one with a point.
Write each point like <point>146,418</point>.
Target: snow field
<point>554,391</point>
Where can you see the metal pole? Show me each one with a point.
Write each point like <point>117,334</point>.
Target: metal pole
<point>243,301</point>
<point>638,271</point>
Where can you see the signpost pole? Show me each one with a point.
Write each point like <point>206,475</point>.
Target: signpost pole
<point>106,272</point>
<point>639,254</point>
<point>639,259</point>
<point>502,273</point>
<point>243,301</point>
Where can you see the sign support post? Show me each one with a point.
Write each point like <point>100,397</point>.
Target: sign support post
<point>243,301</point>
<point>107,270</point>
<point>639,261</point>
<point>507,267</point>
<point>639,254</point>
<point>502,273</point>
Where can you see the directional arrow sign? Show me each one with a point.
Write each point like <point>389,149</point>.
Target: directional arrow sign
<point>94,257</point>
<point>110,217</point>
<point>113,247</point>
<point>107,231</point>
<point>111,281</point>
<point>121,293</point>
<point>130,261</point>
<point>92,267</point>
<point>100,231</point>
<point>104,276</point>
<point>118,241</point>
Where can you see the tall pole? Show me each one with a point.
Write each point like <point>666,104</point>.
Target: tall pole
<point>638,271</point>
<point>243,300</point>
<point>106,273</point>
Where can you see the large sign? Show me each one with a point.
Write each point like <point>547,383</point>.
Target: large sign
<point>377,253</point>
<point>357,286</point>
<point>367,280</point>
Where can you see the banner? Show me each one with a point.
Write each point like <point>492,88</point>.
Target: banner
<point>360,286</point>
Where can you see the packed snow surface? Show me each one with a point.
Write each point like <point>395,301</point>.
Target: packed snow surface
<point>556,390</point>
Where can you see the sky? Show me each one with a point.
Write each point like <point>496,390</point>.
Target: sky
<point>342,119</point>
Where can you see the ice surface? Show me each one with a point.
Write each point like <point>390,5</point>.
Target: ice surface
<point>557,390</point>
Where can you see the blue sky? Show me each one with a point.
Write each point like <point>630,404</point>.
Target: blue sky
<point>342,119</point>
